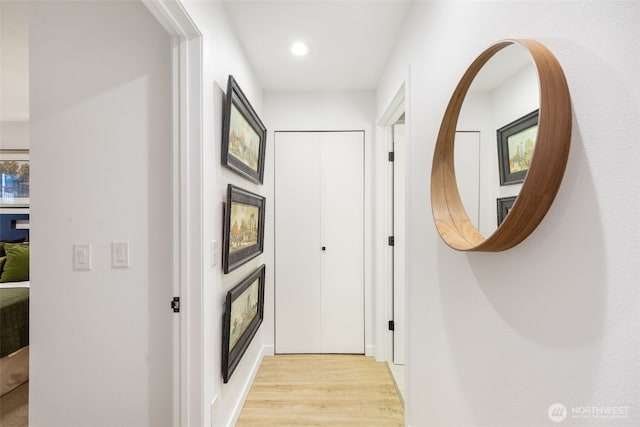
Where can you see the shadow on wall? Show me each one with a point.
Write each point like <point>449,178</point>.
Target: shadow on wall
<point>524,323</point>
<point>551,289</point>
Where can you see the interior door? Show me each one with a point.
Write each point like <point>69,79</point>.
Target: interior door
<point>297,242</point>
<point>319,243</point>
<point>399,221</point>
<point>342,236</point>
<point>104,337</point>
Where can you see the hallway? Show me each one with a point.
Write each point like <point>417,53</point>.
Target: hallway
<point>345,390</point>
<point>121,106</point>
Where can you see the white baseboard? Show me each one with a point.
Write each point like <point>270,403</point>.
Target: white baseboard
<point>268,350</point>
<point>247,386</point>
<point>370,350</point>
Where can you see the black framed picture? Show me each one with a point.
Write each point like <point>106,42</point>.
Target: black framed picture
<point>243,314</point>
<point>516,142</point>
<point>243,227</point>
<point>243,135</point>
<point>504,206</point>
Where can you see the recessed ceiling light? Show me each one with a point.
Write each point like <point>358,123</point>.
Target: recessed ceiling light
<point>299,49</point>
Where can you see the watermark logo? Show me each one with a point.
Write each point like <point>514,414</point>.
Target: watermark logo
<point>557,412</point>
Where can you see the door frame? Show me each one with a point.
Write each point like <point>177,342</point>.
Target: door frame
<point>384,255</point>
<point>186,47</point>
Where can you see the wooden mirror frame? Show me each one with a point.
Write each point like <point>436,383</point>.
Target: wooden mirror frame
<point>545,172</point>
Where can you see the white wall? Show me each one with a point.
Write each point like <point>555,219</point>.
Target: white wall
<point>100,103</point>
<point>14,75</point>
<point>322,111</point>
<point>222,55</point>
<point>496,338</point>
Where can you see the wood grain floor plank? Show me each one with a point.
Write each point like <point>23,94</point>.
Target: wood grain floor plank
<point>322,390</point>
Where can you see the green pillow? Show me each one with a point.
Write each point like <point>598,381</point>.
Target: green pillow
<point>2,252</point>
<point>2,261</point>
<point>16,267</point>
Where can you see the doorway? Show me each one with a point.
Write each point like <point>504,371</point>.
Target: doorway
<point>393,152</point>
<point>319,245</point>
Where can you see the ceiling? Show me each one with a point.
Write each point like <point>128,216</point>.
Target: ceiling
<point>349,41</point>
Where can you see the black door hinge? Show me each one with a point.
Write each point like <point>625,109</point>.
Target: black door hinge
<point>392,241</point>
<point>175,304</point>
<point>392,156</point>
<point>392,325</point>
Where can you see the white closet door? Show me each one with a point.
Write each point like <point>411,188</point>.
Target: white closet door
<point>342,233</point>
<point>319,182</point>
<point>297,242</point>
<point>467,168</point>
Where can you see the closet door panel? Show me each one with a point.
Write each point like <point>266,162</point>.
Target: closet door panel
<point>297,243</point>
<point>342,234</point>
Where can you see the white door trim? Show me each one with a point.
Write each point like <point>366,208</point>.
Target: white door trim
<point>187,209</point>
<point>384,255</point>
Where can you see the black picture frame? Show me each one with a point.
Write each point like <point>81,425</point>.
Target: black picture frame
<point>243,227</point>
<point>243,314</point>
<point>242,135</point>
<point>514,163</point>
<point>504,205</point>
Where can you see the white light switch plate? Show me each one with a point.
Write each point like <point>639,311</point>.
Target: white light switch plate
<point>82,256</point>
<point>119,254</point>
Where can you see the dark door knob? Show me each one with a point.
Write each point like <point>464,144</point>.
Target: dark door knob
<point>324,248</point>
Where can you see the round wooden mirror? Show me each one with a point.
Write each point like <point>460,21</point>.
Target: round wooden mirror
<point>545,169</point>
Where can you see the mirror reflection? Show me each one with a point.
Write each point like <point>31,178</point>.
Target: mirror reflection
<point>495,136</point>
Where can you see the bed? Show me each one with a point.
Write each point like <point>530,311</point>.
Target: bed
<point>14,339</point>
<point>14,302</point>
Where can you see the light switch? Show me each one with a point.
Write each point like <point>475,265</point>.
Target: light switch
<point>119,254</point>
<point>82,256</point>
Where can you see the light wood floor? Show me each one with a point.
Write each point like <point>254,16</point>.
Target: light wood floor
<point>322,390</point>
